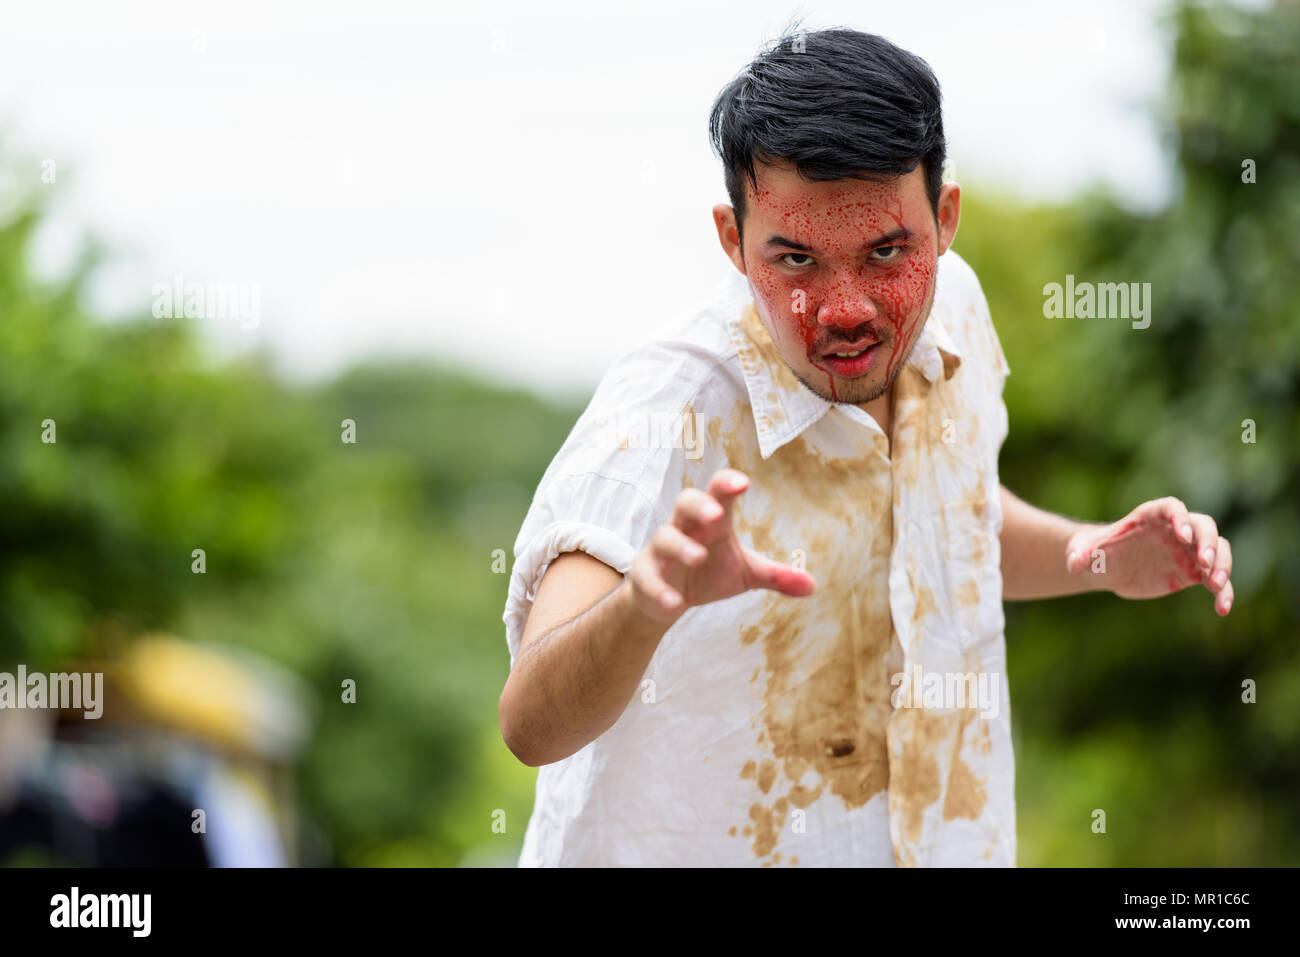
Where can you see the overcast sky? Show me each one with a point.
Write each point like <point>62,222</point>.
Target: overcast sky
<point>523,192</point>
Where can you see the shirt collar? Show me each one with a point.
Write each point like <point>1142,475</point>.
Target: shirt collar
<point>783,406</point>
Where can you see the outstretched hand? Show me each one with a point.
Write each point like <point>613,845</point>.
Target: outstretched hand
<point>696,558</point>
<point>1157,549</point>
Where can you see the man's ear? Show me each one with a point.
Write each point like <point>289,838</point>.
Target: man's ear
<point>948,213</point>
<point>724,218</point>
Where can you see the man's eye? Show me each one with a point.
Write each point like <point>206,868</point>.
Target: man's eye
<point>891,252</point>
<point>786,259</point>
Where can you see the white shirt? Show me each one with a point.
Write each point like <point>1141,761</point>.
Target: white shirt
<point>771,730</point>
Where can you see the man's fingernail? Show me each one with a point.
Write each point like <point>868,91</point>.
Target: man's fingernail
<point>1207,556</point>
<point>1219,577</point>
<point>1069,559</point>
<point>1186,533</point>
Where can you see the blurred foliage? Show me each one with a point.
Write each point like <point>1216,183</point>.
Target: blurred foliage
<point>374,561</point>
<point>370,561</point>
<point>1136,707</point>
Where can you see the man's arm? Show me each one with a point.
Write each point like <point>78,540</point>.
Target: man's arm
<point>575,674</point>
<point>1033,553</point>
<point>1157,549</point>
<point>591,633</point>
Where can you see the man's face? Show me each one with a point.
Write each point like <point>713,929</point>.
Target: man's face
<point>843,272</point>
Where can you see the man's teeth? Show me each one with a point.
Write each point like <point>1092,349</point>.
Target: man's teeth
<point>848,355</point>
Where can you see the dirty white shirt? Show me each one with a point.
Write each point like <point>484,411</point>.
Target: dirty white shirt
<point>770,730</point>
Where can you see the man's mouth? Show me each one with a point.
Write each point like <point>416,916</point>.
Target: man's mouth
<point>852,359</point>
<point>850,350</point>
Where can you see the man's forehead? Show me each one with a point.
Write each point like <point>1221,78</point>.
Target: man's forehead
<point>783,193</point>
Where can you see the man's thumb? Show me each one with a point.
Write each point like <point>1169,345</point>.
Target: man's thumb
<point>786,579</point>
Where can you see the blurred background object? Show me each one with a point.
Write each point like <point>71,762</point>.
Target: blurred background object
<point>374,573</point>
<point>189,765</point>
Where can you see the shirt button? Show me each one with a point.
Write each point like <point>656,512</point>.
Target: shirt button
<point>898,749</point>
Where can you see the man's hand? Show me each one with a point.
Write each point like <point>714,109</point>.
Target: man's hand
<point>1157,549</point>
<point>591,632</point>
<point>696,558</point>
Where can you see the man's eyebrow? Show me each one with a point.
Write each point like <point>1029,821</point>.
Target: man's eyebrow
<point>892,236</point>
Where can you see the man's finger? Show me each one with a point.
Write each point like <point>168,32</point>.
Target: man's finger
<point>726,486</point>
<point>1223,601</point>
<point>1179,518</point>
<point>697,514</point>
<point>645,576</point>
<point>1206,543</point>
<point>786,579</point>
<point>671,544</point>
<point>1222,566</point>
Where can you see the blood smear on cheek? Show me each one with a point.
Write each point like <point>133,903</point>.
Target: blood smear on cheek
<point>906,297</point>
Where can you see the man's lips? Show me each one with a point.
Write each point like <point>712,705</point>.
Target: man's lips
<point>856,346</point>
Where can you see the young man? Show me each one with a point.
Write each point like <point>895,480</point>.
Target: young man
<point>772,633</point>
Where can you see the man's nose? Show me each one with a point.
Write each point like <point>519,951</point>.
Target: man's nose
<point>846,309</point>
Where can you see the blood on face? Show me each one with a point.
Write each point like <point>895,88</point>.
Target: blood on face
<point>838,262</point>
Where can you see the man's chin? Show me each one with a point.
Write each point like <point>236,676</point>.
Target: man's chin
<point>847,391</point>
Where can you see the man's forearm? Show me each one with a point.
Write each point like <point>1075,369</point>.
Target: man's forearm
<point>1033,553</point>
<point>574,682</point>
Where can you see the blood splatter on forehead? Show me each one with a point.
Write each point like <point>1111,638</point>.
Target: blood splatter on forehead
<point>865,207</point>
<point>840,266</point>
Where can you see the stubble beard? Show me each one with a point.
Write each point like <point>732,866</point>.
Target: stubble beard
<point>854,391</point>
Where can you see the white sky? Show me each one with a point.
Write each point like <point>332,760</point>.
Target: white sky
<point>519,189</point>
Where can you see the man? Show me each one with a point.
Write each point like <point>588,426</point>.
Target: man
<point>773,634</point>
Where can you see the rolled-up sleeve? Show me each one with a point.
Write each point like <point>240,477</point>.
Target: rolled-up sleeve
<point>609,519</point>
<point>614,480</point>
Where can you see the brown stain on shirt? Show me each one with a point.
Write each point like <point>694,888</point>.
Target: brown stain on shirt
<point>921,778</point>
<point>916,783</point>
<point>828,658</point>
<point>966,796</point>
<point>777,414</point>
<point>925,604</point>
<point>759,351</point>
<point>918,424</point>
<point>767,825</point>
<point>977,495</point>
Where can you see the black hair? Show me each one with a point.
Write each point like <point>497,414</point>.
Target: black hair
<point>838,104</point>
